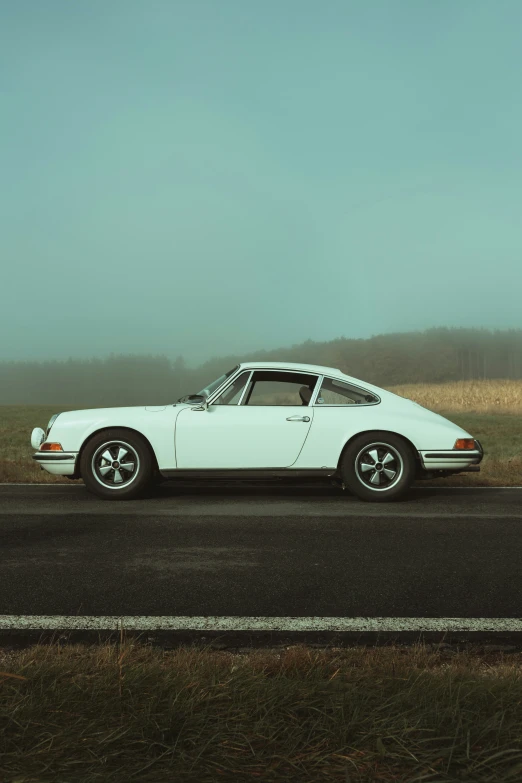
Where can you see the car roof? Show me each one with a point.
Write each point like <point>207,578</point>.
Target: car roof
<point>315,368</point>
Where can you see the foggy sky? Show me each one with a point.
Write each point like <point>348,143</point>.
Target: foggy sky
<point>205,177</point>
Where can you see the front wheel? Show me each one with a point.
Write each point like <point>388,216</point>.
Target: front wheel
<point>117,465</point>
<point>378,466</point>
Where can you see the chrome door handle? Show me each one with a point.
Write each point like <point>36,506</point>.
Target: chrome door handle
<point>298,418</point>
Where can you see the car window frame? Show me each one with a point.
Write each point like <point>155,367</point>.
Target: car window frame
<point>251,371</point>
<point>231,381</point>
<point>280,370</point>
<point>313,400</point>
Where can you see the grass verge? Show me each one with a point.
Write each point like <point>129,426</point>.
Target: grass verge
<point>132,712</point>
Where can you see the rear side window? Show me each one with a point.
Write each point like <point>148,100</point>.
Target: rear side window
<point>339,393</point>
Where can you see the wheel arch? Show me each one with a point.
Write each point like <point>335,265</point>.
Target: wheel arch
<point>413,448</point>
<point>77,473</point>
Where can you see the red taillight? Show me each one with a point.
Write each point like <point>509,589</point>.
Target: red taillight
<point>464,443</point>
<point>51,447</point>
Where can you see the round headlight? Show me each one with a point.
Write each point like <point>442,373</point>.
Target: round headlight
<point>37,437</point>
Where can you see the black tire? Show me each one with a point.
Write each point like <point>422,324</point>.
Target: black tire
<point>99,475</point>
<point>357,467</point>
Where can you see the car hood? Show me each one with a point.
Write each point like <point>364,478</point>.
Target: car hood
<point>96,413</point>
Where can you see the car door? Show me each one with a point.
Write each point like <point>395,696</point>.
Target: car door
<point>261,420</point>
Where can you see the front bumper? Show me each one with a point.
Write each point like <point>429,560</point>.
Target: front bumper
<point>58,463</point>
<point>454,460</point>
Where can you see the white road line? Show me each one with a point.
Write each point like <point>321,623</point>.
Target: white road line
<point>347,512</point>
<point>357,624</point>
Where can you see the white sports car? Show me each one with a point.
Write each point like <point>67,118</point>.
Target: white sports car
<point>250,423</point>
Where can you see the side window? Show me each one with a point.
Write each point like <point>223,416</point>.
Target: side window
<point>232,393</point>
<point>339,393</point>
<point>269,387</point>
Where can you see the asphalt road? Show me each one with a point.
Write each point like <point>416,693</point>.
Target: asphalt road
<point>242,550</point>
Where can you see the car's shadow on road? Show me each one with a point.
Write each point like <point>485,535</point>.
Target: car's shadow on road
<point>286,490</point>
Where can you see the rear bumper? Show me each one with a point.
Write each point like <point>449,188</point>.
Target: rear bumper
<point>57,463</point>
<point>451,459</point>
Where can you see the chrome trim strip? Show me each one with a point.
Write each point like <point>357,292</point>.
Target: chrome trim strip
<point>451,454</point>
<point>451,459</point>
<point>316,391</point>
<point>245,388</point>
<point>447,461</point>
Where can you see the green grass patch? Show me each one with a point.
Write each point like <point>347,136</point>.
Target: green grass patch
<point>500,435</point>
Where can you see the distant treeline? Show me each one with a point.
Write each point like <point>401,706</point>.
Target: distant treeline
<point>432,356</point>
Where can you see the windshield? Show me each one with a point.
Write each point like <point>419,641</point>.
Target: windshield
<point>208,390</point>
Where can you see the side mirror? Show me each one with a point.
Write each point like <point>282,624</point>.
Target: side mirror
<point>204,404</point>
<point>196,398</point>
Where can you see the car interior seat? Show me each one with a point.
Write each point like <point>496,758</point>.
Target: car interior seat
<point>305,394</point>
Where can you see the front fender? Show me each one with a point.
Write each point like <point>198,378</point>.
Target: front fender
<point>74,428</point>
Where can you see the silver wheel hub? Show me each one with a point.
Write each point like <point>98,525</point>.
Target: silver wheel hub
<point>379,466</point>
<point>115,464</point>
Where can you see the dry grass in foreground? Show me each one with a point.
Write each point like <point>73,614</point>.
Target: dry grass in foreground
<point>131,712</point>
<point>486,396</point>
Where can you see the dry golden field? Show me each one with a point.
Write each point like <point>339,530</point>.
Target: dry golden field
<point>488,410</point>
<point>497,396</point>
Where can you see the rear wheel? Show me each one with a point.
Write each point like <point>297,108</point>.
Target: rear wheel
<point>117,465</point>
<point>378,466</point>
